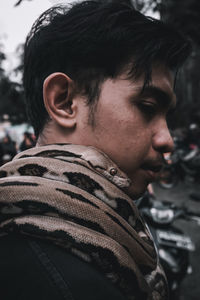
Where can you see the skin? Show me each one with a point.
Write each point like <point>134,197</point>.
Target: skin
<point>129,126</point>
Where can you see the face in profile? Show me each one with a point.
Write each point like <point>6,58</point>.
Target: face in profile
<point>130,126</point>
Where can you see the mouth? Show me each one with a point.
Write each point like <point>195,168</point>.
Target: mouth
<point>152,171</point>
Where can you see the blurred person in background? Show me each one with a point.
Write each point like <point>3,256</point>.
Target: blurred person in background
<point>28,142</point>
<point>9,149</point>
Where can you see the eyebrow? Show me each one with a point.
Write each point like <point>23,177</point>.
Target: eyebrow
<point>163,98</point>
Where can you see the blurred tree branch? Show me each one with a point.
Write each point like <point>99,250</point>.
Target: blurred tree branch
<point>182,14</point>
<point>19,2</point>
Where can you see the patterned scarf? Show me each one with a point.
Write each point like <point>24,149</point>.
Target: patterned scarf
<point>73,196</point>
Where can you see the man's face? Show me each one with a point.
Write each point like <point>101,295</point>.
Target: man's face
<point>131,128</point>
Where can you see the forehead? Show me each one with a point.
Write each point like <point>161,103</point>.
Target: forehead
<point>162,83</point>
<point>162,76</point>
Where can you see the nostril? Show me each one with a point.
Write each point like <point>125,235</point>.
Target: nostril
<point>163,141</point>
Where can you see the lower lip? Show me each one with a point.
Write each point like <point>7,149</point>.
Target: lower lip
<point>152,176</point>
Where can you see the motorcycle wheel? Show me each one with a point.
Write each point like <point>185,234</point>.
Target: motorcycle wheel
<point>168,177</point>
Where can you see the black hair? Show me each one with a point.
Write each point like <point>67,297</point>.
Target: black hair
<point>91,41</point>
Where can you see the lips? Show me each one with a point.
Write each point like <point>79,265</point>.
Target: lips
<point>155,169</point>
<point>152,167</point>
<point>152,170</point>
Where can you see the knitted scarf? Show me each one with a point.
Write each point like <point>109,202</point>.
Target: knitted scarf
<point>73,196</point>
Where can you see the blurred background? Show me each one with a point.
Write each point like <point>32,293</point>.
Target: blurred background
<point>179,182</point>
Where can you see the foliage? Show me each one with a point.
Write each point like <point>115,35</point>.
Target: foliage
<point>11,97</point>
<point>2,58</point>
<point>20,56</point>
<point>12,100</point>
<point>183,14</point>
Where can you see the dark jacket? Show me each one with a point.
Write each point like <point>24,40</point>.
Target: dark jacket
<point>31,269</point>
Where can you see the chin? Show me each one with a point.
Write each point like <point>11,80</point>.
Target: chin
<point>138,185</point>
<point>136,193</point>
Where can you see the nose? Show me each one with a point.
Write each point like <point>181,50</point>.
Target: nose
<point>162,139</point>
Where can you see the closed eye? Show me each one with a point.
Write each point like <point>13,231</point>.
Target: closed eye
<point>148,108</point>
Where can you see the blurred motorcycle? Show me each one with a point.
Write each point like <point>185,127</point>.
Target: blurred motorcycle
<point>172,244</point>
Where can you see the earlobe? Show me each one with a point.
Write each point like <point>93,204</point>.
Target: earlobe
<point>58,91</point>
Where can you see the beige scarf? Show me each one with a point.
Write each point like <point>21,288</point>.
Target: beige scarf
<point>73,196</point>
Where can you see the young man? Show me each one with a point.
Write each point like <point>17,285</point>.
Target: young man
<point>99,83</point>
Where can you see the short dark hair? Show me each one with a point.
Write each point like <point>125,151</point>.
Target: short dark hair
<point>92,41</point>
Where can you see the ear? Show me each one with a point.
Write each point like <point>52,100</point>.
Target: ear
<point>58,99</point>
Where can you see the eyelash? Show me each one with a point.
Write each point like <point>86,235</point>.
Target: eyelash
<point>149,108</point>
<point>171,111</point>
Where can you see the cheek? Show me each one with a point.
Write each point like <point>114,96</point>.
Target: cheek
<point>138,148</point>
